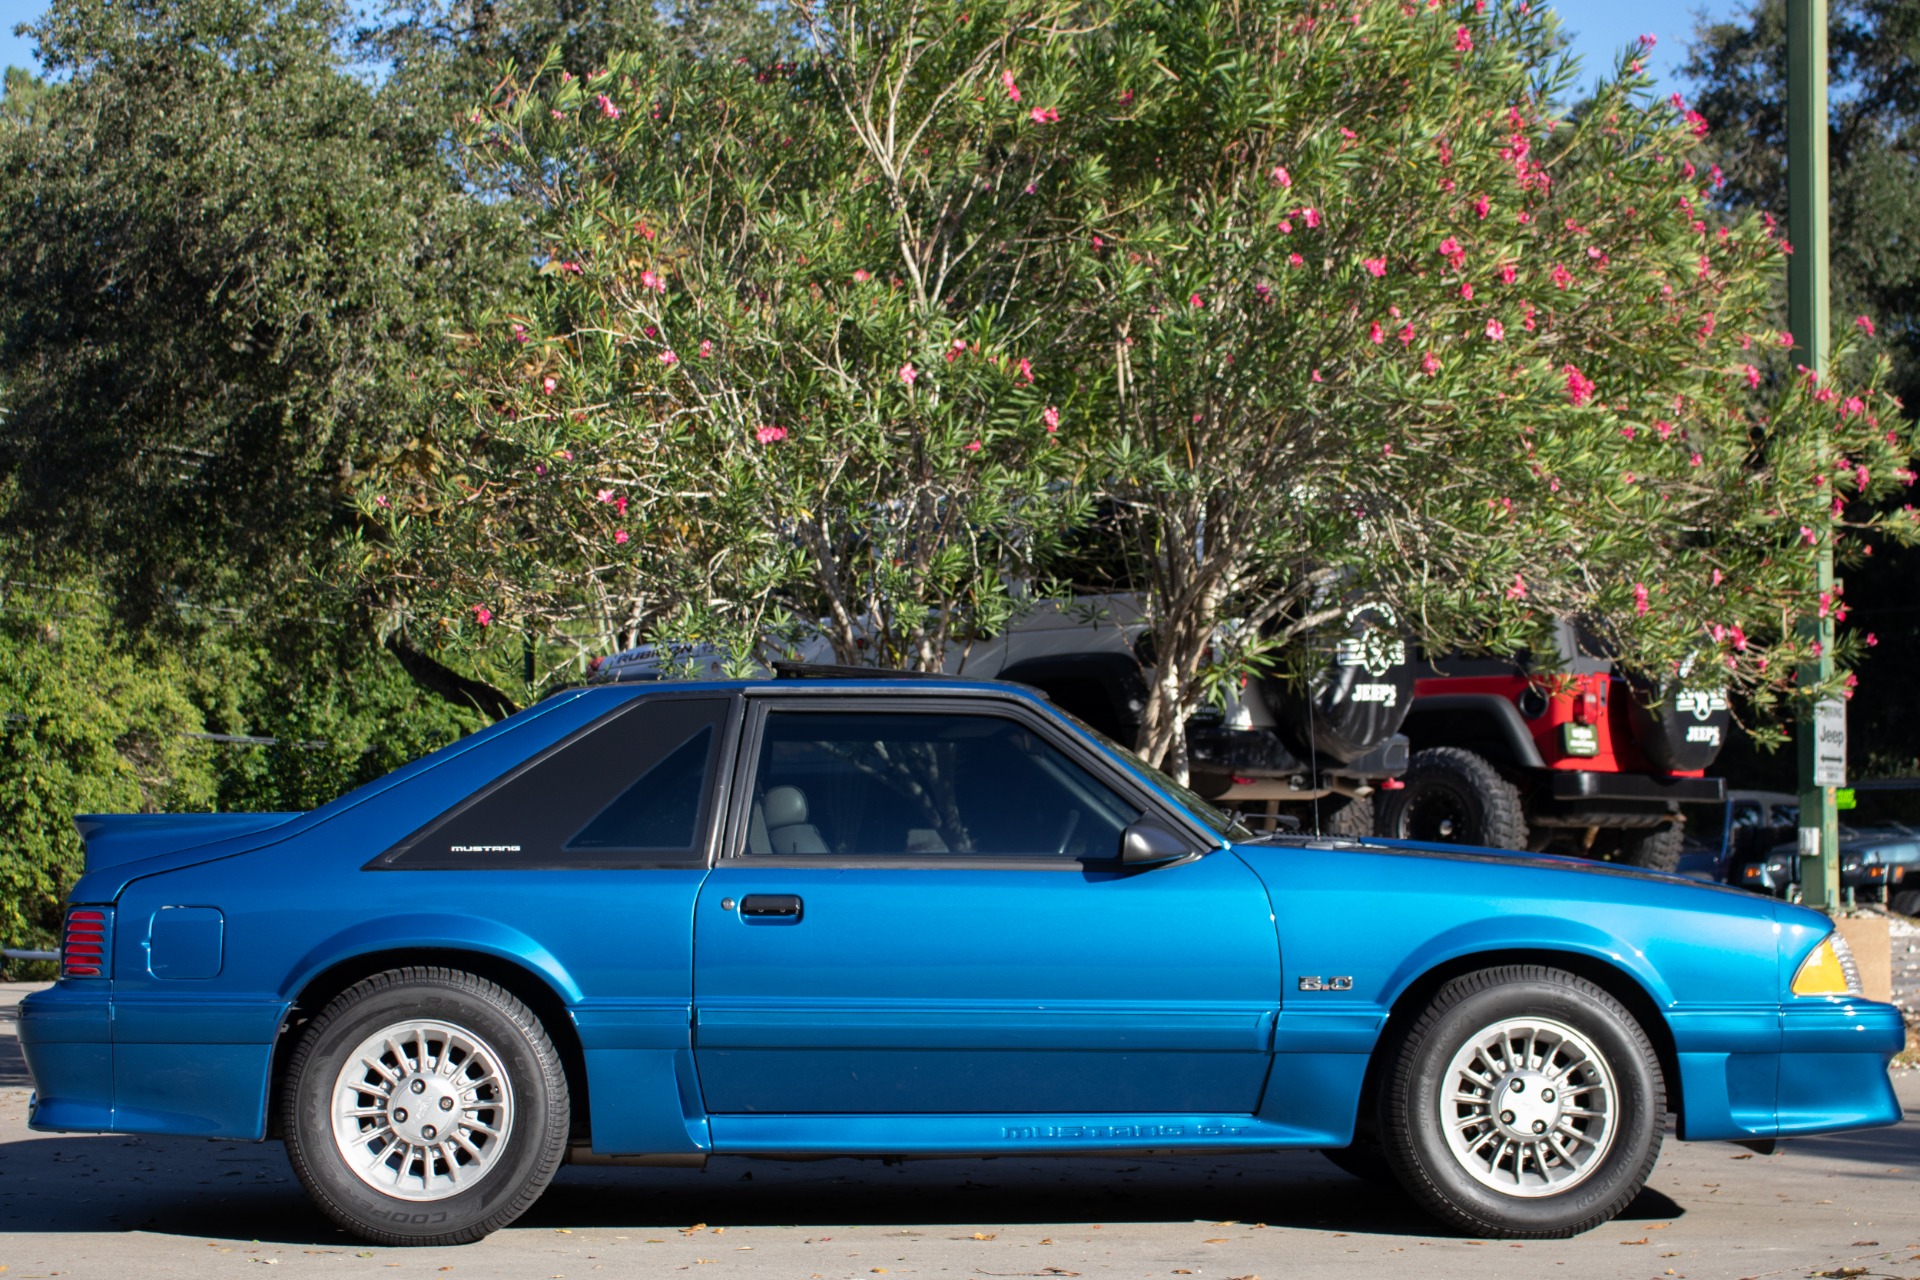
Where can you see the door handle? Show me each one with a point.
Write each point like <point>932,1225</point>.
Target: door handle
<point>771,904</point>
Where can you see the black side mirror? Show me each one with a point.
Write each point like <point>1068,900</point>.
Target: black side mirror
<point>1149,841</point>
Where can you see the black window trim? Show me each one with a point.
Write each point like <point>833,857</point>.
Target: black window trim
<point>719,796</point>
<point>762,701</point>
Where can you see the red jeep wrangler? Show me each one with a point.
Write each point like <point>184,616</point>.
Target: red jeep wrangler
<point>1579,760</point>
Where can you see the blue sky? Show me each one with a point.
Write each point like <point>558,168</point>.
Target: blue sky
<point>1599,28</point>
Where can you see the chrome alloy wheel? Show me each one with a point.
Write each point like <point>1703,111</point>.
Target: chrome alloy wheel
<point>422,1110</point>
<point>1529,1107</point>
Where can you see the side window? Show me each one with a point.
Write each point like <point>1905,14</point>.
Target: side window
<point>633,789</point>
<point>925,784</point>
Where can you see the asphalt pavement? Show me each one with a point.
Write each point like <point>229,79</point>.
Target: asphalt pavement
<point>114,1207</point>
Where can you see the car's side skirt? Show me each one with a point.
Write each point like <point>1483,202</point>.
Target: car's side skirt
<point>988,1135</point>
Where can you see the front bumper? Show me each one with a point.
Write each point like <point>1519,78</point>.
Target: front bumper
<point>1815,1066</point>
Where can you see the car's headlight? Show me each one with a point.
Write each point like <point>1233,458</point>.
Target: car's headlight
<point>1829,970</point>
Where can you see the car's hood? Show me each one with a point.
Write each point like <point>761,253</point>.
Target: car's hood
<point>1497,857</point>
<point>116,838</point>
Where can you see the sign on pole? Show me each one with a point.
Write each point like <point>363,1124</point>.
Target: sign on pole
<point>1830,743</point>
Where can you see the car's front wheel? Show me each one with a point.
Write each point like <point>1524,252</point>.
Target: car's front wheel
<point>1525,1102</point>
<point>425,1106</point>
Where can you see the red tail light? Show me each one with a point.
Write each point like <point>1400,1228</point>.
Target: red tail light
<point>83,944</point>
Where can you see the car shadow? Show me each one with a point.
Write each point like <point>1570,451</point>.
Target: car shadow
<point>230,1190</point>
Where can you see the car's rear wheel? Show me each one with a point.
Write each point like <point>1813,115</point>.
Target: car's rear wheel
<point>425,1106</point>
<point>1453,796</point>
<point>1525,1102</point>
<point>1907,903</point>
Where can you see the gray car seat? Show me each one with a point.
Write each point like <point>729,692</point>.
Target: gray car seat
<point>788,831</point>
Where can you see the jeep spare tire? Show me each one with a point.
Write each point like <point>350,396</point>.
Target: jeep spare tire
<point>1357,694</point>
<point>1685,727</point>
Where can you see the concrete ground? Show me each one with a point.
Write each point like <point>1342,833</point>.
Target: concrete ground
<point>114,1207</point>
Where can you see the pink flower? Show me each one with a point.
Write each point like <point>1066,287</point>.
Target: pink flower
<point>668,357</point>
<point>955,349</point>
<point>482,615</point>
<point>1463,41</point>
<point>1280,177</point>
<point>380,500</point>
<point>605,495</point>
<point>1694,461</point>
<point>1808,536</point>
<point>1023,372</point>
<point>606,106</point>
<point>620,505</point>
<point>1480,206</point>
<point>1466,291</point>
<point>619,536</point>
<point>1639,598</point>
<point>547,386</point>
<point>1861,322</point>
<point>973,446</point>
<point>706,348</point>
<point>1496,332</point>
<point>1853,405</point>
<point>1195,300</point>
<point>1311,217</point>
<point>1561,276</point>
<point>1717,578</point>
<point>1430,364</point>
<point>1376,267</point>
<point>908,373</point>
<point>861,277</point>
<point>1265,291</point>
<point>1739,638</point>
<point>1664,428</point>
<point>1518,591</point>
<point>767,435</point>
<point>1013,90</point>
<point>520,333</point>
<point>1050,416</point>
<point>1753,376</point>
<point>1508,273</point>
<point>1628,432</point>
<point>648,280</point>
<point>1316,378</point>
<point>1376,335</point>
<point>1872,640</point>
<point>1295,260</point>
<point>1044,115</point>
<point>1580,388</point>
<point>1450,249</point>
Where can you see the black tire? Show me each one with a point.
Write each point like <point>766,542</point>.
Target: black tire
<point>1654,848</point>
<point>1348,819</point>
<point>492,1061</point>
<point>1616,1074</point>
<point>1453,796</point>
<point>1907,902</point>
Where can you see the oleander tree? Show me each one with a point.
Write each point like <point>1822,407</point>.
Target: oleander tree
<point>1388,322</point>
<point>801,349</point>
<point>1321,301</point>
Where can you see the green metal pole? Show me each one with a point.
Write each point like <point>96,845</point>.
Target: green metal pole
<point>1808,318</point>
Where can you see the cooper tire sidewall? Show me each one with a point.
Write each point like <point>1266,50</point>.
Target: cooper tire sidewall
<point>1638,1119</point>
<point>312,1125</point>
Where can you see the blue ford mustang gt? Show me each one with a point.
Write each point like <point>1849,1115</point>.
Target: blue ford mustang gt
<point>889,917</point>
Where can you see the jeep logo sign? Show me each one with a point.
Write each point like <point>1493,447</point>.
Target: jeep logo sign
<point>1381,693</point>
<point>1702,704</point>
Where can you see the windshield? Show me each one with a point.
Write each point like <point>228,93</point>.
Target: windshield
<point>1224,824</point>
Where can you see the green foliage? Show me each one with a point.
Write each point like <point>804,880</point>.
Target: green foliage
<point>87,727</point>
<point>222,255</point>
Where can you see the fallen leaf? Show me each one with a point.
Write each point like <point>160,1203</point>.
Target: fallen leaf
<point>1048,1240</point>
<point>364,1253</point>
<point>1743,1156</point>
<point>1215,1240</point>
<point>563,1231</point>
<point>1865,1244</point>
<point>1641,1240</point>
<point>1842,1273</point>
<point>698,1226</point>
<point>985,1235</point>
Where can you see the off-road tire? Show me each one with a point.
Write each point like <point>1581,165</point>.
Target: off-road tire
<point>1421,1101</point>
<point>1453,796</point>
<point>1351,819</point>
<point>533,1101</point>
<point>1906,902</point>
<point>1652,848</point>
